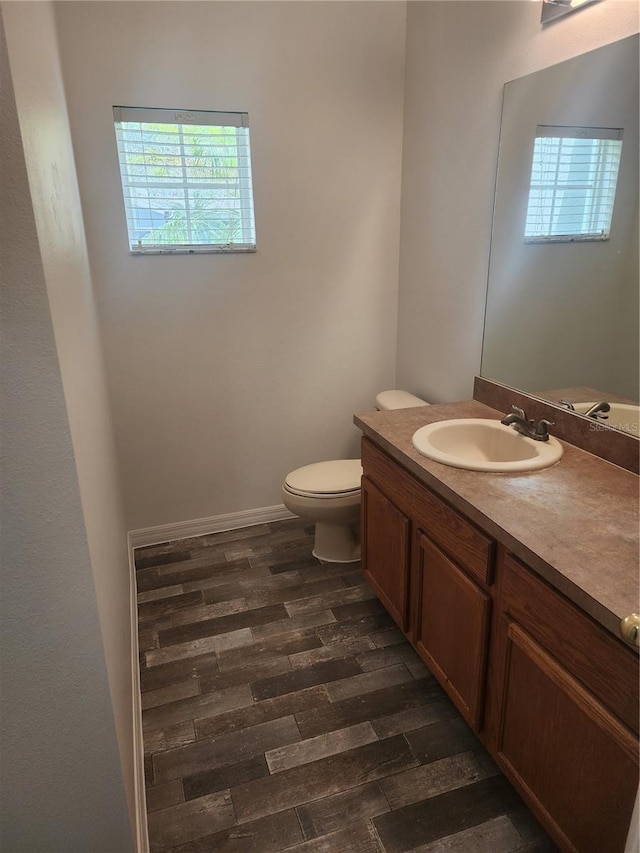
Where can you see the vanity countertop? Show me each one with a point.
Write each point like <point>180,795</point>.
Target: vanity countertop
<point>575,523</point>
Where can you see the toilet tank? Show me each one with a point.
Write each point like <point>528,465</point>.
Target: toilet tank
<point>386,400</point>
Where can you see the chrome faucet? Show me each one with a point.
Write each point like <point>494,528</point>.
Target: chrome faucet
<point>527,426</point>
<point>598,411</point>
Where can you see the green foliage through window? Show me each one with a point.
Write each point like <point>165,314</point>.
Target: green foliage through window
<point>186,183</point>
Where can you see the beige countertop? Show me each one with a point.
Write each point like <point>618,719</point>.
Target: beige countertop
<point>575,523</point>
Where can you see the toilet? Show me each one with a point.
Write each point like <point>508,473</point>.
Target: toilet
<point>328,493</point>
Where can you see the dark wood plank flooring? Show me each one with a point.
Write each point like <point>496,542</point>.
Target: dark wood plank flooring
<point>283,710</point>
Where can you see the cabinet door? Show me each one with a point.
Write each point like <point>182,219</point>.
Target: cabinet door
<point>452,627</point>
<point>601,662</point>
<point>574,761</point>
<point>385,551</point>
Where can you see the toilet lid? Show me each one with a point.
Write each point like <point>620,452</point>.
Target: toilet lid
<point>324,478</point>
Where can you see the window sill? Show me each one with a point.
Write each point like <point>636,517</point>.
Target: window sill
<point>195,250</point>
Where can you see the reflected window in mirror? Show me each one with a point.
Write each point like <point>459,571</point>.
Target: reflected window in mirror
<point>572,189</point>
<point>561,318</point>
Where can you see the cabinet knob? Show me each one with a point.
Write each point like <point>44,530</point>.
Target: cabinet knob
<point>630,629</point>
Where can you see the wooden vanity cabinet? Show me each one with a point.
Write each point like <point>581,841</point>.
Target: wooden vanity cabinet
<point>552,694</point>
<point>567,714</point>
<point>430,568</point>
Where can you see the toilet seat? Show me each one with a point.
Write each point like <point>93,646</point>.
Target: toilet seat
<point>336,478</point>
<point>328,494</point>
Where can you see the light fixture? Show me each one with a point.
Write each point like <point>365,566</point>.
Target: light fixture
<point>552,9</point>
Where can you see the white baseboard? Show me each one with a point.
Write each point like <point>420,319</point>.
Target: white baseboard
<point>202,526</point>
<point>141,828</point>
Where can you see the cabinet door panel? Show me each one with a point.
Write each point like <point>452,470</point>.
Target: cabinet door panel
<point>452,624</point>
<point>385,551</point>
<point>604,665</point>
<point>575,762</point>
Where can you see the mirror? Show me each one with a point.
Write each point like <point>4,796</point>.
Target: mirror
<point>562,313</point>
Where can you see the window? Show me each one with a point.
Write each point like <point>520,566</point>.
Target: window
<point>186,180</point>
<point>573,183</point>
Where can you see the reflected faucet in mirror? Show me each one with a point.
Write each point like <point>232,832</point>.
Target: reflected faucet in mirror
<point>598,411</point>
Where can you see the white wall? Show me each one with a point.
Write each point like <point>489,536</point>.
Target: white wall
<point>62,780</point>
<point>228,371</point>
<point>459,55</point>
<point>61,248</point>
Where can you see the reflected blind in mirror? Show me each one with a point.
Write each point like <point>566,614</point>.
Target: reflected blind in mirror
<point>573,183</point>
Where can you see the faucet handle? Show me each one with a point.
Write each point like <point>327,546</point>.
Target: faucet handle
<point>520,413</point>
<point>542,429</point>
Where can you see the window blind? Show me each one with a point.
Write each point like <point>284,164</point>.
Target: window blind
<point>573,183</point>
<point>186,179</point>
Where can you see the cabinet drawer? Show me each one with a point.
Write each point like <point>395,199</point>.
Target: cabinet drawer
<point>453,533</point>
<point>603,664</point>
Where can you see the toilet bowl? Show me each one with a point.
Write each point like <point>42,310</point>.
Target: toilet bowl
<point>328,493</point>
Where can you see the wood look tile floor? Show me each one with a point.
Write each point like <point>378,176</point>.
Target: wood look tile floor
<point>283,710</point>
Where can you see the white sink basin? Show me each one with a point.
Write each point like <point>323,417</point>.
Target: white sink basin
<point>622,416</point>
<point>479,444</point>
